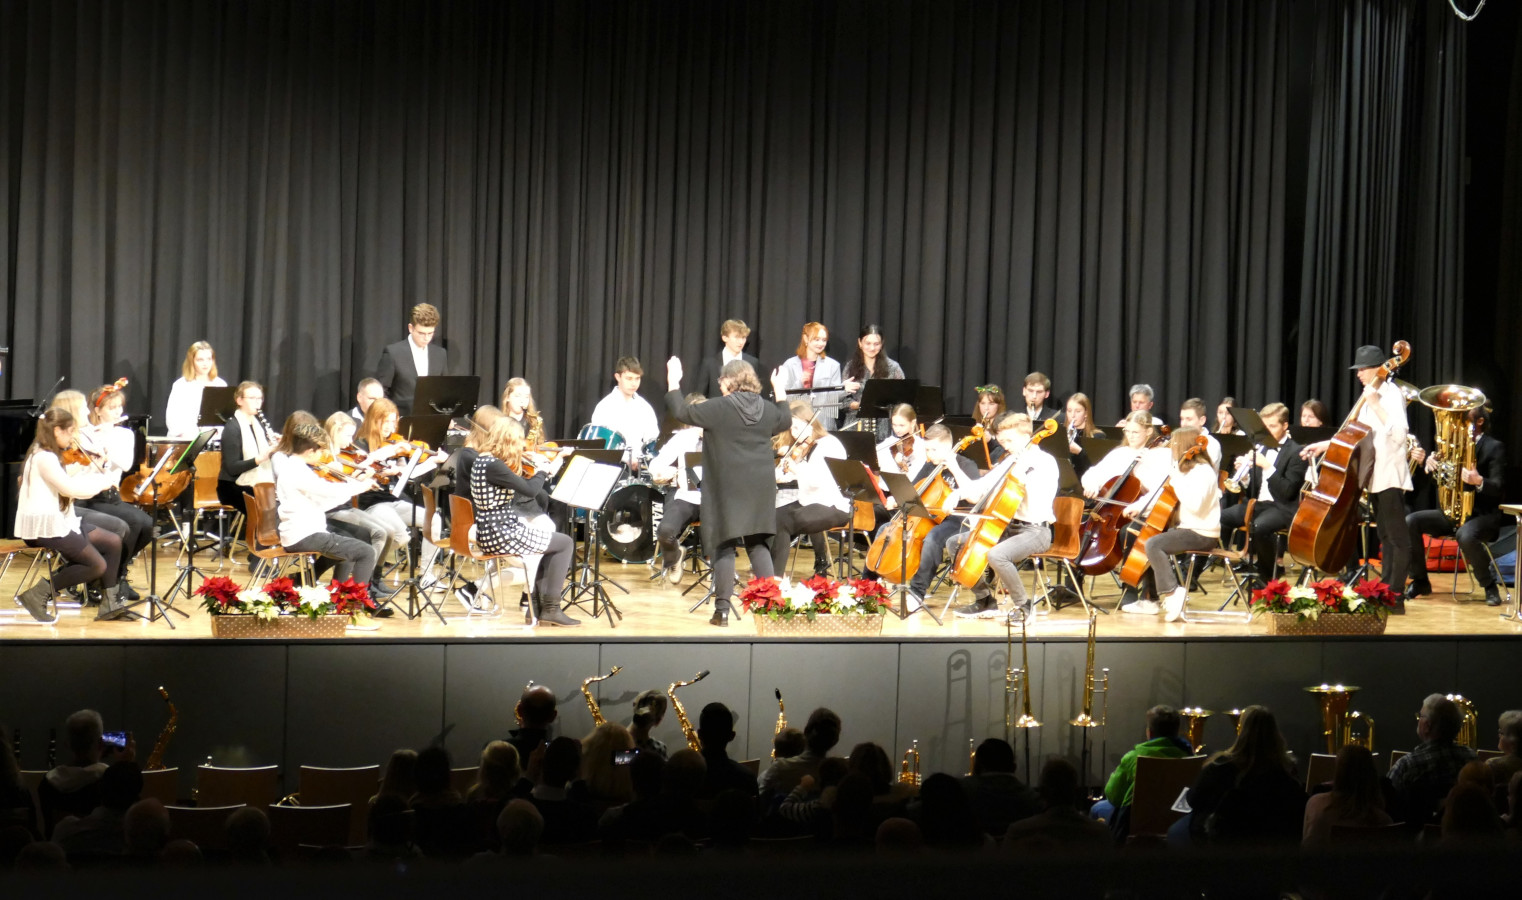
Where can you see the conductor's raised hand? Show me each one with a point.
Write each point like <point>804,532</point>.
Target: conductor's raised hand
<point>779,384</point>
<point>674,374</point>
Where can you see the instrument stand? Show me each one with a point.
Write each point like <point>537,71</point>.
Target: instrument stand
<point>160,609</point>
<point>909,506</point>
<point>586,481</point>
<point>587,580</point>
<point>418,600</point>
<point>855,481</point>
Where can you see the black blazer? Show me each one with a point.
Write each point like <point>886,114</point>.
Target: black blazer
<point>708,374</point>
<point>398,375</point>
<point>233,463</point>
<point>1047,412</point>
<point>1287,478</point>
<point>1490,462</point>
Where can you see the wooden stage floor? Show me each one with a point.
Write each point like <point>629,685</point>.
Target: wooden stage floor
<point>654,612</point>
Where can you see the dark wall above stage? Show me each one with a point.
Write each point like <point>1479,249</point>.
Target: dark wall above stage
<point>1210,197</point>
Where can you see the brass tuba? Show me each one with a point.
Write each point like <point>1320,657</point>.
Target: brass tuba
<point>1194,726</point>
<point>1336,719</point>
<point>1469,731</point>
<point>156,758</point>
<point>1454,445</point>
<point>781,721</point>
<point>586,693</point>
<point>909,767</point>
<point>681,712</point>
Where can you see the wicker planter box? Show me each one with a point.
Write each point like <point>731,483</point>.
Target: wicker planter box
<point>282,628</point>
<point>822,626</point>
<point>1327,623</point>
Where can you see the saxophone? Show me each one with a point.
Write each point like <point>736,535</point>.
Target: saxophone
<point>586,692</point>
<point>781,722</point>
<point>681,713</point>
<point>156,758</point>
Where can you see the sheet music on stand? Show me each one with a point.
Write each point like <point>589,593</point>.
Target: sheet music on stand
<point>585,484</point>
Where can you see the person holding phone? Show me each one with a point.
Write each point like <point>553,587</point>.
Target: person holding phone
<point>73,788</point>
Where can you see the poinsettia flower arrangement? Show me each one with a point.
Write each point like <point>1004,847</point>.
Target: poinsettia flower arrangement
<point>1369,596</point>
<point>781,598</point>
<point>221,596</point>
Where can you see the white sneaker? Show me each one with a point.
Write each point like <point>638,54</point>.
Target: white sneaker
<point>912,602</point>
<point>1141,608</point>
<point>1173,604</point>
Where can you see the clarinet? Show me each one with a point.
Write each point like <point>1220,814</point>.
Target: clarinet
<point>269,432</point>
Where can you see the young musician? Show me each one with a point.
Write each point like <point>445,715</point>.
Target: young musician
<point>377,438</point>
<point>302,499</point>
<point>368,392</point>
<point>1487,481</point>
<point>903,451</point>
<point>103,447</point>
<point>1141,401</point>
<point>1314,414</point>
<point>1080,424</point>
<point>346,518</point>
<point>808,499</point>
<point>460,465</point>
<point>734,333</point>
<point>404,362</point>
<point>45,517</point>
<point>1037,389</point>
<point>1225,423</point>
<point>247,444</point>
<point>1274,478</point>
<point>683,500</point>
<point>810,368</point>
<point>1383,410</point>
<point>198,372</point>
<point>959,470</point>
<point>1137,432</point>
<point>1191,414</point>
<point>518,403</point>
<point>510,517</point>
<point>989,407</point>
<point>626,412</point>
<point>737,462</point>
<point>1198,528</point>
<point>1028,532</point>
<point>866,363</point>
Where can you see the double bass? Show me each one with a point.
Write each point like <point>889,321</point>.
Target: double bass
<point>994,513</point>
<point>1100,543</point>
<point>1323,533</point>
<point>888,556</point>
<point>1157,520</point>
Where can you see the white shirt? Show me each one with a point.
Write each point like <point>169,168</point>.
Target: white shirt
<point>1199,500</point>
<point>1390,468</point>
<point>43,482</point>
<point>632,417</point>
<point>885,462</point>
<point>816,483</point>
<point>1154,466</point>
<point>113,445</point>
<point>1264,494</point>
<point>671,462</point>
<point>184,406</point>
<point>726,357</point>
<point>302,498</point>
<point>419,356</point>
<point>1036,470</point>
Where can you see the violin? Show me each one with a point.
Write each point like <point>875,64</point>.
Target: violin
<point>73,455</point>
<point>330,469</point>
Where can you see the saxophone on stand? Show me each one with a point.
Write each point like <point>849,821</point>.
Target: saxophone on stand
<point>156,758</point>
<point>586,693</point>
<point>781,722</point>
<point>681,712</point>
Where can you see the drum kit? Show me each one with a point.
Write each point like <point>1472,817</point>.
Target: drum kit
<point>629,519</point>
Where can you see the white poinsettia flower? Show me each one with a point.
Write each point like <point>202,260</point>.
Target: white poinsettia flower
<point>312,596</point>
<point>800,596</point>
<point>1355,602</point>
<point>266,611</point>
<point>846,598</point>
<point>1301,592</point>
<point>251,598</point>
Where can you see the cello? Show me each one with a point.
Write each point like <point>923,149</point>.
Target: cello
<point>888,556</point>
<point>1322,534</point>
<point>994,513</point>
<point>1157,520</point>
<point>1102,548</point>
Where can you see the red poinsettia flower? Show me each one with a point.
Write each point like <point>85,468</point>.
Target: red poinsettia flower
<point>823,588</point>
<point>219,589</point>
<point>1374,591</point>
<point>869,588</point>
<point>765,593</point>
<point>1328,592</point>
<point>1274,594</point>
<point>350,596</point>
<point>282,591</point>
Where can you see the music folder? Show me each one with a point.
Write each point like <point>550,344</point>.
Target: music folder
<point>585,483</point>
<point>855,479</point>
<point>1252,427</point>
<point>217,406</point>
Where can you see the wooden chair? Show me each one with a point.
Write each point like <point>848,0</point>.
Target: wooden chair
<point>863,520</point>
<point>32,778</point>
<point>1065,548</point>
<point>462,518</point>
<point>318,826</point>
<point>205,502</point>
<point>427,580</point>
<point>257,786</point>
<point>1488,754</point>
<point>1231,558</point>
<point>353,786</point>
<point>162,785</point>
<point>205,826</point>
<point>1395,756</point>
<point>1158,784</point>
<point>264,539</point>
<point>1319,770</point>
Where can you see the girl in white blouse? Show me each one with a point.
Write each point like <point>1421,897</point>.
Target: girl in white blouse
<point>198,373</point>
<point>45,517</point>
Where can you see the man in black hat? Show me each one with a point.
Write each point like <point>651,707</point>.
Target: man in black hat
<point>1383,410</point>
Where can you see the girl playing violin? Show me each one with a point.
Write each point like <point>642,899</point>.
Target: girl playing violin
<point>346,518</point>
<point>107,405</point>
<point>198,372</point>
<point>45,517</point>
<point>808,499</point>
<point>378,439</point>
<point>89,453</point>
<point>1198,528</point>
<point>903,451</point>
<point>510,517</point>
<point>303,499</point>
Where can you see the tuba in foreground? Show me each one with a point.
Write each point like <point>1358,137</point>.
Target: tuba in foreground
<point>1454,446</point>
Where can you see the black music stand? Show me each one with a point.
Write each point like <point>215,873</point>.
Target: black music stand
<point>217,406</point>
<point>929,403</point>
<point>156,609</point>
<point>1098,447</point>
<point>855,480</point>
<point>586,481</point>
<point>418,600</point>
<point>909,506</point>
<point>444,395</point>
<point>860,446</point>
<point>880,395</point>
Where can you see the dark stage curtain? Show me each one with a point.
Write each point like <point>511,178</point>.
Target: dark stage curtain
<point>1209,196</point>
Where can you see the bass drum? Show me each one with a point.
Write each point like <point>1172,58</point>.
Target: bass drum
<point>628,522</point>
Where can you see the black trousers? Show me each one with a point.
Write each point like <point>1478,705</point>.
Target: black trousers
<point>811,520</point>
<point>1472,537</point>
<point>230,493</point>
<point>91,552</point>
<point>1394,536</point>
<point>1268,517</point>
<point>676,515</point>
<point>756,547</point>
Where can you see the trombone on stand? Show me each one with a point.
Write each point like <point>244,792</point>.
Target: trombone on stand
<point>1017,684</point>
<point>1085,719</point>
